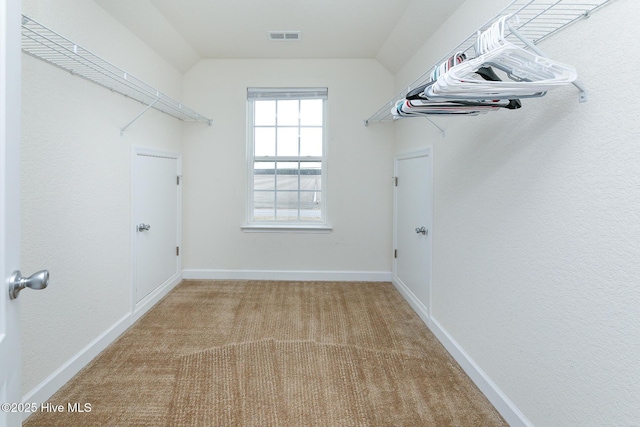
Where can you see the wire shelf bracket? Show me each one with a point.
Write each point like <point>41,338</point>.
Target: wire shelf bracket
<point>45,44</point>
<point>538,20</point>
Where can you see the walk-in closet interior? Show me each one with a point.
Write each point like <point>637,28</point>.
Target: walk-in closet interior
<point>483,156</point>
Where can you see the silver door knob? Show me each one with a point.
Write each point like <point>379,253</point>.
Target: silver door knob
<point>144,227</point>
<point>421,230</point>
<point>36,281</point>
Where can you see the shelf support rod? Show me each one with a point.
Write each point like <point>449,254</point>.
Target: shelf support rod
<point>433,123</point>
<point>138,116</point>
<point>583,90</point>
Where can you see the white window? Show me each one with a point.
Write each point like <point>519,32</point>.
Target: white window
<point>287,162</point>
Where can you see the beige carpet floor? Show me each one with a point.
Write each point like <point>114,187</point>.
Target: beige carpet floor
<point>260,353</point>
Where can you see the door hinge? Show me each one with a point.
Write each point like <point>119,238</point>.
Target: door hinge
<point>177,250</point>
<point>395,253</point>
<point>178,180</point>
<point>395,178</point>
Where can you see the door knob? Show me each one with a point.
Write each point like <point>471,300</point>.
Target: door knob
<point>36,281</point>
<point>421,230</point>
<point>144,227</point>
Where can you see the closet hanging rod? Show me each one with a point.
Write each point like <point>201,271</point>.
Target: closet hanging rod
<point>45,44</point>
<point>539,20</point>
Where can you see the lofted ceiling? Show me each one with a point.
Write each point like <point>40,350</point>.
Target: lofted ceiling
<point>185,31</point>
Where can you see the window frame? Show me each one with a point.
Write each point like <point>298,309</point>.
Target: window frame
<point>266,94</point>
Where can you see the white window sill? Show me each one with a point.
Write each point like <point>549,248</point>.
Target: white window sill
<point>286,228</point>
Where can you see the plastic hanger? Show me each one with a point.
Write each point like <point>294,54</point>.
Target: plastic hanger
<point>530,74</point>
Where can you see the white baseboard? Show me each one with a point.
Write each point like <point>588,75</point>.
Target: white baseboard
<point>413,301</point>
<point>324,276</point>
<point>43,391</point>
<point>498,399</point>
<point>154,297</point>
<point>502,403</point>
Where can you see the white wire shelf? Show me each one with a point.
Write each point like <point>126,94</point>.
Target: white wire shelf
<point>538,20</point>
<point>47,45</point>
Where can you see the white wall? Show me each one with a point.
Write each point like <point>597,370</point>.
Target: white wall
<point>536,239</point>
<point>359,171</point>
<point>76,185</point>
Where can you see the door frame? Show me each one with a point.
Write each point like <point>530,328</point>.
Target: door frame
<point>138,309</point>
<point>10,129</point>
<point>424,311</point>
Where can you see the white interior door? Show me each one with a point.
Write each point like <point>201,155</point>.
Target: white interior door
<point>412,225</point>
<point>156,215</point>
<point>10,365</point>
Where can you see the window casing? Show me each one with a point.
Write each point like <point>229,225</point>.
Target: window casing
<point>287,158</point>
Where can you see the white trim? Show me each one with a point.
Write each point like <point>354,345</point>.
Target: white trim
<point>423,152</point>
<point>279,93</point>
<point>324,276</point>
<point>498,399</point>
<point>414,302</point>
<point>251,159</point>
<point>10,219</point>
<point>43,391</point>
<point>155,296</point>
<point>286,228</point>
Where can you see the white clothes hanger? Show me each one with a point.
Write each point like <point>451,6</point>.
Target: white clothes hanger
<point>414,108</point>
<point>530,74</point>
<point>422,107</point>
<point>457,58</point>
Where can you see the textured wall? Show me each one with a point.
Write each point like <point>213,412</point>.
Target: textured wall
<point>359,169</point>
<point>76,185</point>
<point>536,235</point>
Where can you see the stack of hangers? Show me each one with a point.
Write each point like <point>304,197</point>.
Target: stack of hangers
<point>461,86</point>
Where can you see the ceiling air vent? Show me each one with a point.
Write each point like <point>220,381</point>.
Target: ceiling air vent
<point>284,35</point>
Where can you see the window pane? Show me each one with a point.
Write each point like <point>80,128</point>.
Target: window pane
<point>311,168</point>
<point>265,113</point>
<point>310,199</point>
<point>310,209</point>
<point>311,141</point>
<point>264,176</point>
<point>311,176</point>
<point>287,160</point>
<point>265,140</point>
<point>311,112</point>
<point>287,141</point>
<point>263,205</point>
<point>288,113</point>
<point>287,206</point>
<point>287,176</point>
